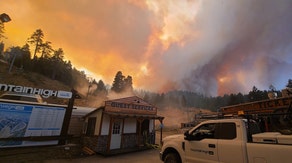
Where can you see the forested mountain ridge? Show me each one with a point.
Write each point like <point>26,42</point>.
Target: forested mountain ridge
<point>97,90</point>
<point>39,65</point>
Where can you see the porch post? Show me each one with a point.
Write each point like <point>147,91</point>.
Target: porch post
<point>139,132</point>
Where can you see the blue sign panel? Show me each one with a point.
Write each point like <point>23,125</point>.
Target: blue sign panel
<point>24,120</point>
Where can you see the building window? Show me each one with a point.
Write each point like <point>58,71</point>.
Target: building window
<point>116,127</point>
<point>91,126</point>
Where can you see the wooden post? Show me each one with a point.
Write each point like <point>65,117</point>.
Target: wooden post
<point>161,126</point>
<point>67,118</point>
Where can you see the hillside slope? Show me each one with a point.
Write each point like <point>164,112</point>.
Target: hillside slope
<point>30,79</point>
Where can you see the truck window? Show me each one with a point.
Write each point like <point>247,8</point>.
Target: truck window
<point>252,128</point>
<point>205,131</point>
<point>227,131</point>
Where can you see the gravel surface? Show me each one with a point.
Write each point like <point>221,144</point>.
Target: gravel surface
<point>146,156</point>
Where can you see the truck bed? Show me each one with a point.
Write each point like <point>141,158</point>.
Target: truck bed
<point>274,153</point>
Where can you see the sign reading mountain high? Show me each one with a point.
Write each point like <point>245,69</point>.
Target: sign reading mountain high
<point>30,90</point>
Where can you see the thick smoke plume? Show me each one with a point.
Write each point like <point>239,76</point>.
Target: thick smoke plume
<point>256,47</point>
<point>212,47</point>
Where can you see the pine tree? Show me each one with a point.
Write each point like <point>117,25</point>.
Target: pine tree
<point>36,39</point>
<point>118,83</point>
<point>57,61</point>
<point>100,90</point>
<point>46,49</point>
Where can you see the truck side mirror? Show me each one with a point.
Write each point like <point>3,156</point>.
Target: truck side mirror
<point>197,136</point>
<point>187,135</point>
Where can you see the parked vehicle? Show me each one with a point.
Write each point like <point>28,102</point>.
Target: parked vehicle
<point>22,97</point>
<point>228,141</point>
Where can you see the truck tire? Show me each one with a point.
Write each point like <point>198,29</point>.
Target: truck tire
<point>172,158</point>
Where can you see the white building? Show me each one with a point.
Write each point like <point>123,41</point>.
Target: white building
<point>126,123</point>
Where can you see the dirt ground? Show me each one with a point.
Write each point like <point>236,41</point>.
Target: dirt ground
<point>146,156</point>
<point>58,154</point>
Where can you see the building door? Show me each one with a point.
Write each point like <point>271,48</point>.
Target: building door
<point>116,134</point>
<point>145,131</point>
<point>91,126</point>
<point>145,126</point>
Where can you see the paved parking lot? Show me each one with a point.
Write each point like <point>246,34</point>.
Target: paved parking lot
<point>146,156</point>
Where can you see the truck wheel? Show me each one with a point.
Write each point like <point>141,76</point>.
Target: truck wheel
<point>172,158</point>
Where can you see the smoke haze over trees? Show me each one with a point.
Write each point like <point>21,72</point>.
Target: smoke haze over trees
<point>50,62</point>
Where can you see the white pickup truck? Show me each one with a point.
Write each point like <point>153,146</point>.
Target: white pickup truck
<point>228,141</point>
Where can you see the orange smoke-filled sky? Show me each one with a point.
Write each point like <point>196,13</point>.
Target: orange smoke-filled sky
<point>207,46</point>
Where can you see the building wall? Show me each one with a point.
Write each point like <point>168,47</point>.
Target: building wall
<point>98,122</point>
<point>102,143</point>
<point>130,125</point>
<point>76,126</point>
<point>105,125</point>
<point>96,143</point>
<point>97,115</point>
<point>129,140</point>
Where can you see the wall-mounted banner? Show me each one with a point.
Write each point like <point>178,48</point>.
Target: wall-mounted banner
<point>43,92</point>
<point>21,120</point>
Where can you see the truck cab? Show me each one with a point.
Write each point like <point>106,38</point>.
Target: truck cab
<point>213,139</point>
<point>224,140</point>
